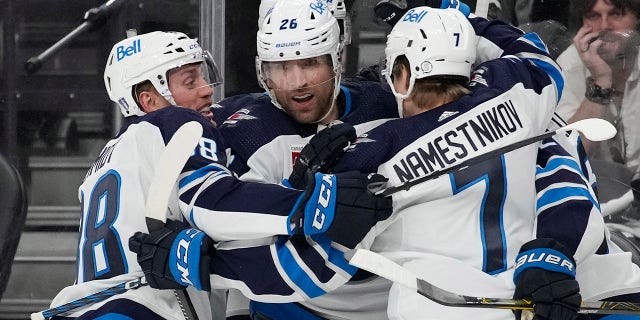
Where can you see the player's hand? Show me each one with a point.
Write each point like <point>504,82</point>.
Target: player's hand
<point>321,153</point>
<point>174,256</point>
<point>545,273</point>
<point>342,207</point>
<point>390,11</point>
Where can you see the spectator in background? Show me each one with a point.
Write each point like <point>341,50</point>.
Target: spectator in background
<point>601,71</point>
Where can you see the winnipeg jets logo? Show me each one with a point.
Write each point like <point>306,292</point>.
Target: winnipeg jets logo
<point>242,114</point>
<point>476,77</point>
<point>446,115</point>
<point>361,139</point>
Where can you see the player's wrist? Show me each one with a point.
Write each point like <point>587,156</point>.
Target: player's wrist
<point>547,254</point>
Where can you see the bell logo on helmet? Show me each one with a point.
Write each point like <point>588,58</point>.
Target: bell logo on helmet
<point>125,51</point>
<point>319,6</point>
<point>412,16</point>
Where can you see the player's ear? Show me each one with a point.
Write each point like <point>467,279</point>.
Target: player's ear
<point>151,101</point>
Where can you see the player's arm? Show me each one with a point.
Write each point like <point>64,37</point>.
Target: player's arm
<point>569,228</point>
<point>497,39</point>
<point>281,269</point>
<point>277,269</point>
<point>567,208</point>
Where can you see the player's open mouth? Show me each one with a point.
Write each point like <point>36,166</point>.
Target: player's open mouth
<point>206,112</point>
<point>303,98</point>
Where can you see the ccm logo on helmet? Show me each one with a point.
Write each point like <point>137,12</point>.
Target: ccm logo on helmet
<point>544,257</point>
<point>182,255</point>
<point>412,16</point>
<point>125,51</point>
<point>323,202</point>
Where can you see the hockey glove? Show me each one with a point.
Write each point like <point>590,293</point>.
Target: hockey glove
<point>174,256</point>
<point>545,273</point>
<point>321,153</point>
<point>391,11</point>
<point>341,206</point>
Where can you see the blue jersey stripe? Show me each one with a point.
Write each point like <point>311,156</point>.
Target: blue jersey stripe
<point>295,272</point>
<point>199,174</point>
<point>558,194</point>
<point>552,71</point>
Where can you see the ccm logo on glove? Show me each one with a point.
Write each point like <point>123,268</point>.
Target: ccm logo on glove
<point>324,201</point>
<point>180,262</point>
<point>544,258</point>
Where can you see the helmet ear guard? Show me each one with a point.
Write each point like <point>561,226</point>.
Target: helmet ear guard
<point>149,57</point>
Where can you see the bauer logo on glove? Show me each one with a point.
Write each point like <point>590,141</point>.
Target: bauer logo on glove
<point>545,258</point>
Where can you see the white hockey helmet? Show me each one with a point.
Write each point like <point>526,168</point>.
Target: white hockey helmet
<point>339,11</point>
<point>298,29</point>
<point>437,42</point>
<point>264,9</point>
<point>336,7</point>
<point>148,57</point>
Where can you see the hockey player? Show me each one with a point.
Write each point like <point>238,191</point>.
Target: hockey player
<point>299,64</point>
<point>148,75</point>
<point>266,138</point>
<point>480,230</point>
<point>260,157</point>
<point>365,299</point>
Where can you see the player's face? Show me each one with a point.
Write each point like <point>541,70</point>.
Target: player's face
<point>605,16</point>
<point>304,87</point>
<point>190,90</point>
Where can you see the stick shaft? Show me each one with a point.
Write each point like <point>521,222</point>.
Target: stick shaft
<point>475,160</point>
<point>380,265</point>
<point>90,299</point>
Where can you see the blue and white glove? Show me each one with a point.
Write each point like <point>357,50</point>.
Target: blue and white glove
<point>390,11</point>
<point>341,206</point>
<point>174,257</point>
<point>545,273</point>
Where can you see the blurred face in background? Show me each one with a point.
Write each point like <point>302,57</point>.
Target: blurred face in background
<point>617,30</point>
<point>605,16</point>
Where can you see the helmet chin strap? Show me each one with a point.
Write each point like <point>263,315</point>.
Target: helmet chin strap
<point>399,101</point>
<point>333,106</point>
<point>336,91</point>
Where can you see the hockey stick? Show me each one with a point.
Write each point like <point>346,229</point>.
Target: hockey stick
<point>171,162</point>
<point>380,265</point>
<point>593,129</point>
<point>482,8</point>
<point>165,176</point>
<point>90,299</point>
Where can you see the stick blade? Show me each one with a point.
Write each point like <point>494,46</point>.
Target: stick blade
<point>171,162</point>
<point>594,129</point>
<point>380,265</point>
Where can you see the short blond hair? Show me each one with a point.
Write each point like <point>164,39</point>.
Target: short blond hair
<point>427,91</point>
